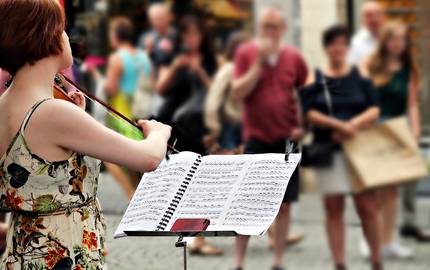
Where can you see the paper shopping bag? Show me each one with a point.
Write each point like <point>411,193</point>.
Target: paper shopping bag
<point>384,155</point>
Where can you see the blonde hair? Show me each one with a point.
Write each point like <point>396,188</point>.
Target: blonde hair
<point>378,62</point>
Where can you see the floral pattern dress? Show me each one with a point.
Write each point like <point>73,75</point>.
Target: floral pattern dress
<point>56,218</point>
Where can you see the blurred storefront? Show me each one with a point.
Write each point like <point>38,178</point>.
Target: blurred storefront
<point>90,17</point>
<point>87,23</point>
<point>225,16</point>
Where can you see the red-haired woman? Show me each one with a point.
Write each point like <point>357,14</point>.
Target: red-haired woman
<point>49,148</point>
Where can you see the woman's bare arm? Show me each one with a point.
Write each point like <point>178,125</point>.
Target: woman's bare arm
<point>345,129</point>
<point>245,85</point>
<point>366,118</point>
<point>414,109</point>
<point>165,78</point>
<point>321,120</point>
<point>65,125</point>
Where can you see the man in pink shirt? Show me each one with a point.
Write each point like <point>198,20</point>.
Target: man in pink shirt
<point>266,75</point>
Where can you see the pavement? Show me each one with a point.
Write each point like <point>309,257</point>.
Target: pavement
<point>311,254</point>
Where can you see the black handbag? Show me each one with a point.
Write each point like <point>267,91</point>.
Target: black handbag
<point>188,120</point>
<point>320,154</point>
<point>190,116</point>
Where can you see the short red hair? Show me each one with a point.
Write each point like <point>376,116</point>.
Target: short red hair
<point>30,31</point>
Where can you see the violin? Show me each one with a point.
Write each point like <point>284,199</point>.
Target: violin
<point>60,92</point>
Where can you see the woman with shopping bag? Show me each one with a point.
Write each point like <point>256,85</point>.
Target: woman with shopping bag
<point>395,74</point>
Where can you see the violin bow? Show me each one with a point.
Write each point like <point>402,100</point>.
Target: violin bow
<point>61,78</point>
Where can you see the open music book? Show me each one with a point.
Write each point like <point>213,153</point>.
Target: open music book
<point>237,193</point>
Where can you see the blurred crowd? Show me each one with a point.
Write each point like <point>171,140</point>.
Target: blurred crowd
<point>258,93</point>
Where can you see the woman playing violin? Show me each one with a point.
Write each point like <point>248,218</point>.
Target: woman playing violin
<point>50,148</point>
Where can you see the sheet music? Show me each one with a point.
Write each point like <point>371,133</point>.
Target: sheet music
<point>154,194</point>
<point>211,187</point>
<point>239,193</point>
<point>256,201</point>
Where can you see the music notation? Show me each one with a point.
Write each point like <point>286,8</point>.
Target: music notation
<point>240,193</point>
<point>155,192</point>
<point>210,188</point>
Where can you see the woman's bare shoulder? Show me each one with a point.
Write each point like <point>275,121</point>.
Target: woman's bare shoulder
<point>46,111</point>
<point>57,112</point>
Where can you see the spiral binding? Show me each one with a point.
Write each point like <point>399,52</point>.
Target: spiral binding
<point>178,196</point>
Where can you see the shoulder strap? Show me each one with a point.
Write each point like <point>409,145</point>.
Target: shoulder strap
<point>30,113</point>
<point>326,90</point>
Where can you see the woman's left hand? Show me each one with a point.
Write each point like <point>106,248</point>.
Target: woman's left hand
<point>78,98</point>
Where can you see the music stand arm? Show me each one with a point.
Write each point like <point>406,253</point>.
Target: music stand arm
<point>182,244</point>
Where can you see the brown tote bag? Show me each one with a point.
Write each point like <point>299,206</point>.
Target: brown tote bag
<point>384,155</point>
